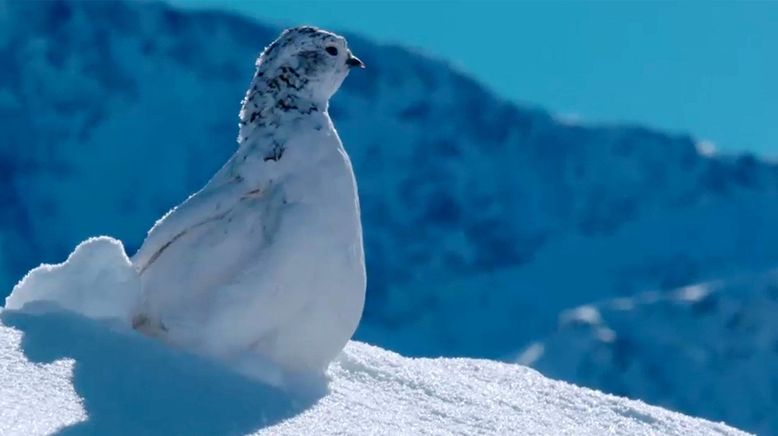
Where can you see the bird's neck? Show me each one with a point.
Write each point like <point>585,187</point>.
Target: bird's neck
<point>276,99</point>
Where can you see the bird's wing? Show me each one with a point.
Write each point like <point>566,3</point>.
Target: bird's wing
<point>212,202</point>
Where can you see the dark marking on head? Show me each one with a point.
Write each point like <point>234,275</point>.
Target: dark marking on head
<point>276,153</point>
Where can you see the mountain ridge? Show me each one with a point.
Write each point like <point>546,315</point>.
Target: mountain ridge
<point>707,349</point>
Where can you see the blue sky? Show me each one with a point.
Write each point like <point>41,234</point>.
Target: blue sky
<point>708,68</point>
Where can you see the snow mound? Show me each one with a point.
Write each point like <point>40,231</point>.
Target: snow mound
<point>62,372</point>
<point>97,280</point>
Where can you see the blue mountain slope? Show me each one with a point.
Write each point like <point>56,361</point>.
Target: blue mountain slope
<point>483,219</point>
<point>709,349</point>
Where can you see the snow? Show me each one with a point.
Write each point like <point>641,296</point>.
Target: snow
<point>484,219</point>
<point>97,280</point>
<point>63,372</point>
<point>707,349</point>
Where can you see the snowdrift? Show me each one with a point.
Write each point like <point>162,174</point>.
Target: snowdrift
<point>97,280</point>
<point>61,372</point>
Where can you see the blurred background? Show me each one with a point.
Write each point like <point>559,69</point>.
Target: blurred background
<point>586,188</point>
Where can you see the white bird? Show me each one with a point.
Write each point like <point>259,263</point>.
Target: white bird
<point>267,259</point>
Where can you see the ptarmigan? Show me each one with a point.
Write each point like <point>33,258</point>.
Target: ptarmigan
<point>267,259</point>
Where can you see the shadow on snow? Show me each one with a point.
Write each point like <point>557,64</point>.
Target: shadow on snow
<point>133,385</point>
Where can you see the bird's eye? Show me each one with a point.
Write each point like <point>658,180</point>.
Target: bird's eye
<point>332,51</point>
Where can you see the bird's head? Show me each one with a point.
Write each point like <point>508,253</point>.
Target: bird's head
<point>308,61</point>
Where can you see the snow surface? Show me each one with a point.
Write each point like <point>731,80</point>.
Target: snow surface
<point>709,349</point>
<point>60,372</point>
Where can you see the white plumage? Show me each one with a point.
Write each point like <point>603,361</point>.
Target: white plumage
<point>267,259</point>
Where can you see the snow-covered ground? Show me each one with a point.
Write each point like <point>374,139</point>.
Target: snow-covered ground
<point>63,372</point>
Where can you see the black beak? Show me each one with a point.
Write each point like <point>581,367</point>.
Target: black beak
<point>354,61</point>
